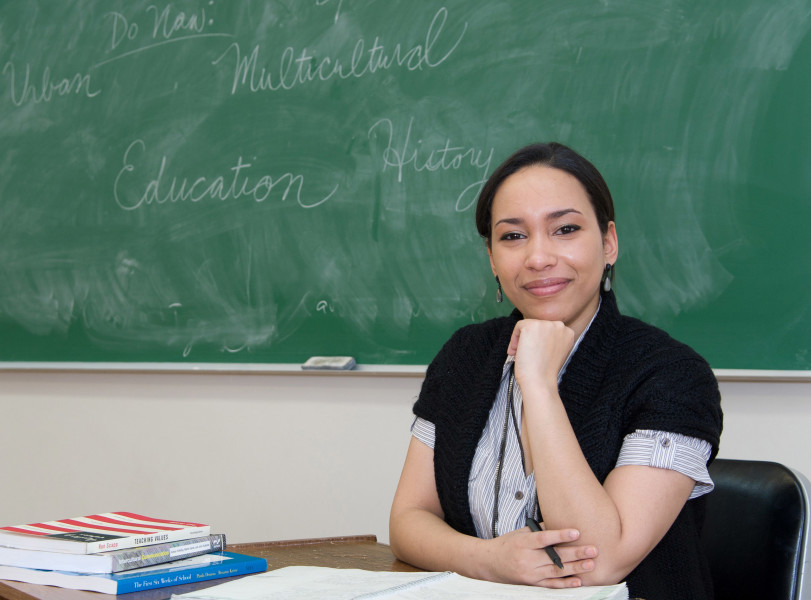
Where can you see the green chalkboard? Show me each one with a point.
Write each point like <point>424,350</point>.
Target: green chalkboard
<point>259,182</point>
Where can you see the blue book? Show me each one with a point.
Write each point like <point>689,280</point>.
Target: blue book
<point>190,570</point>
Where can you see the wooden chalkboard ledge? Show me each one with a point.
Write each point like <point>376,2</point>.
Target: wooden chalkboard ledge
<point>214,368</point>
<point>755,375</point>
<point>364,370</point>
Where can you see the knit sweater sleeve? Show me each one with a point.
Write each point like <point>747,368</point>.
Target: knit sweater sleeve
<point>675,391</point>
<point>427,405</point>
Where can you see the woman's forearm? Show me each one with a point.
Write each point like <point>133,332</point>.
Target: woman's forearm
<point>424,540</point>
<point>569,494</point>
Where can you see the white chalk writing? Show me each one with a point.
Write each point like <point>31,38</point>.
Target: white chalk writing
<point>26,92</point>
<point>237,184</point>
<point>441,157</point>
<point>324,306</point>
<point>180,22</point>
<point>166,26</point>
<point>295,71</point>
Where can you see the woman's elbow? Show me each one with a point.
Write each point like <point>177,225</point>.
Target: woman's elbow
<point>401,528</point>
<point>607,571</point>
<point>395,542</point>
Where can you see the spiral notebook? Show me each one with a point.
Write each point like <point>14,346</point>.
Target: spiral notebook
<point>309,583</point>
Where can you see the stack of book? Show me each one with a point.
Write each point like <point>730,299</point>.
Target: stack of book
<point>116,553</point>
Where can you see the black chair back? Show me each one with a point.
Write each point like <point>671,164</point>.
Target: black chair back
<point>755,531</point>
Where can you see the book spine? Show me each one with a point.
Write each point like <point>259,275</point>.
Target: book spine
<point>124,560</point>
<point>205,573</point>
<point>133,541</point>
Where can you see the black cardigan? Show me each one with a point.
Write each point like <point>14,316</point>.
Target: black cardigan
<point>626,375</point>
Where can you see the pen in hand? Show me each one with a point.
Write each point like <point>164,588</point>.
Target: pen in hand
<point>550,550</point>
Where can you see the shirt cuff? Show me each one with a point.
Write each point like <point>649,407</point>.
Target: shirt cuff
<point>684,454</point>
<point>424,431</point>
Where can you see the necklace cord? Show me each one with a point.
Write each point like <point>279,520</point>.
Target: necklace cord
<point>510,412</point>
<point>502,449</point>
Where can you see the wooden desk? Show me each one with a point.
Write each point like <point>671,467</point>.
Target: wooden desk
<point>358,552</point>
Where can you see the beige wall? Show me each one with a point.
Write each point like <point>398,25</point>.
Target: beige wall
<point>263,457</point>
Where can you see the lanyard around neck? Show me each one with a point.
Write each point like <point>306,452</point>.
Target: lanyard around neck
<point>509,413</point>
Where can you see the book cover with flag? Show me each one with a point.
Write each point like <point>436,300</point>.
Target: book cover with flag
<point>99,533</point>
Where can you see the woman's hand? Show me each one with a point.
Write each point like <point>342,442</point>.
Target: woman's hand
<point>519,557</point>
<point>540,348</point>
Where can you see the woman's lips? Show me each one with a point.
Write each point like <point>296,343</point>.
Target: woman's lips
<point>546,287</point>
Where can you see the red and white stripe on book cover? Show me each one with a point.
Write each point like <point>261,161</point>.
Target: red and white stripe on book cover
<point>123,523</point>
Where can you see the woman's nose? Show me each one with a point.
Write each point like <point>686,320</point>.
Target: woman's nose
<point>540,254</point>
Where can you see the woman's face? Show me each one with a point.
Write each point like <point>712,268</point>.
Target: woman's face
<point>546,247</point>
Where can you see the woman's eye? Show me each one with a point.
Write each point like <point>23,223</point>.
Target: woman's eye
<point>567,229</point>
<point>511,236</point>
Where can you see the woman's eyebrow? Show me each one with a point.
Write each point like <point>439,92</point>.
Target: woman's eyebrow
<point>549,217</point>
<point>561,213</point>
<point>509,221</point>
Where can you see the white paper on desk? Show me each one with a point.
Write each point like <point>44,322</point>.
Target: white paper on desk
<point>309,583</point>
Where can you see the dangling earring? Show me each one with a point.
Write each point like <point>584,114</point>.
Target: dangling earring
<point>608,277</point>
<point>499,292</point>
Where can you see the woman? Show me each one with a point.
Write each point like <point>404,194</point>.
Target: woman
<point>567,412</point>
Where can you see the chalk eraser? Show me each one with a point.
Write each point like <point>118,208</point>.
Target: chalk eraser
<point>329,363</point>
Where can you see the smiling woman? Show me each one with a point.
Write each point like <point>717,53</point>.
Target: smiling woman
<point>566,411</point>
<point>546,247</point>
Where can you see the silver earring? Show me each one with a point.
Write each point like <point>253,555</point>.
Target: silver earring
<point>608,277</point>
<point>499,292</point>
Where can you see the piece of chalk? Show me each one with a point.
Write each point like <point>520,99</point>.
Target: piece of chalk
<point>330,363</point>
